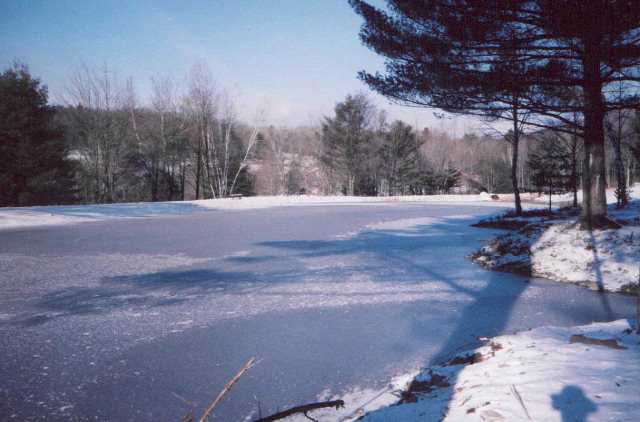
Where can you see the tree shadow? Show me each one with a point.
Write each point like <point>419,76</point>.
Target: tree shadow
<point>432,254</point>
<point>395,254</point>
<point>148,290</point>
<point>573,405</point>
<point>597,268</point>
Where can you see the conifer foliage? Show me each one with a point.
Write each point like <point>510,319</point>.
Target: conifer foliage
<point>399,157</point>
<point>34,169</point>
<point>345,138</point>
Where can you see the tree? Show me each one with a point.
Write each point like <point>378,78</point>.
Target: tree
<point>35,168</point>
<point>447,180</point>
<point>295,180</point>
<point>399,157</point>
<point>465,54</point>
<point>616,130</point>
<point>160,144</point>
<point>220,153</point>
<point>550,167</point>
<point>98,132</point>
<point>494,174</point>
<point>574,144</point>
<point>635,146</point>
<point>344,138</point>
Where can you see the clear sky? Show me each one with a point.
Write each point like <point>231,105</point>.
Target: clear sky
<point>292,58</point>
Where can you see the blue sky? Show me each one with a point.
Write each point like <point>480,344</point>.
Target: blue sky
<point>293,58</point>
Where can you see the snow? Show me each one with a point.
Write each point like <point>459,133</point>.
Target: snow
<point>608,259</point>
<point>21,217</point>
<point>558,199</point>
<point>536,375</point>
<point>558,250</point>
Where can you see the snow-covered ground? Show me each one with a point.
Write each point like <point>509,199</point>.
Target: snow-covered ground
<point>563,199</point>
<point>69,214</point>
<point>586,373</point>
<point>555,248</point>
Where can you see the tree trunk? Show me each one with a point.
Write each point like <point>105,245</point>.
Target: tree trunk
<point>550,193</point>
<point>351,185</point>
<point>574,169</point>
<point>594,202</point>
<point>198,168</point>
<point>514,162</point>
<point>621,190</point>
<point>574,181</point>
<point>183,178</point>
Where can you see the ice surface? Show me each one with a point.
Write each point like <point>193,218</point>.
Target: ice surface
<point>334,300</point>
<point>11,218</point>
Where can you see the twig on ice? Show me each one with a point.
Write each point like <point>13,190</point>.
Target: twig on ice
<point>250,364</point>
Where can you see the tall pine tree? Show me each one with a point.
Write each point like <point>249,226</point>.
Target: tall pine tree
<point>399,157</point>
<point>35,167</point>
<point>344,138</point>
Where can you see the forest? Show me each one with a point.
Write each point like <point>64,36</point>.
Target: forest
<point>107,145</point>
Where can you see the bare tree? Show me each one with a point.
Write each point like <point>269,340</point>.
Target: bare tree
<point>96,102</point>
<point>160,144</point>
<point>220,153</point>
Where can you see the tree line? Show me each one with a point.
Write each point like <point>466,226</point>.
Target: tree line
<point>102,145</point>
<point>106,145</point>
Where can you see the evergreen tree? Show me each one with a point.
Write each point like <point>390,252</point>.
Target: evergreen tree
<point>295,179</point>
<point>550,165</point>
<point>399,157</point>
<point>35,167</point>
<point>344,138</point>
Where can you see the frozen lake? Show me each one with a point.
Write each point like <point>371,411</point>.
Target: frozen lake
<point>117,320</point>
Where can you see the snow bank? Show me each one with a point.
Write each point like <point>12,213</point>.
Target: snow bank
<point>555,248</point>
<point>547,374</point>
<point>55,215</point>
<point>603,260</point>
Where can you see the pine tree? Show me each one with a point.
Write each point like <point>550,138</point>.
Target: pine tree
<point>550,165</point>
<point>295,180</point>
<point>35,167</point>
<point>344,138</point>
<point>399,157</point>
